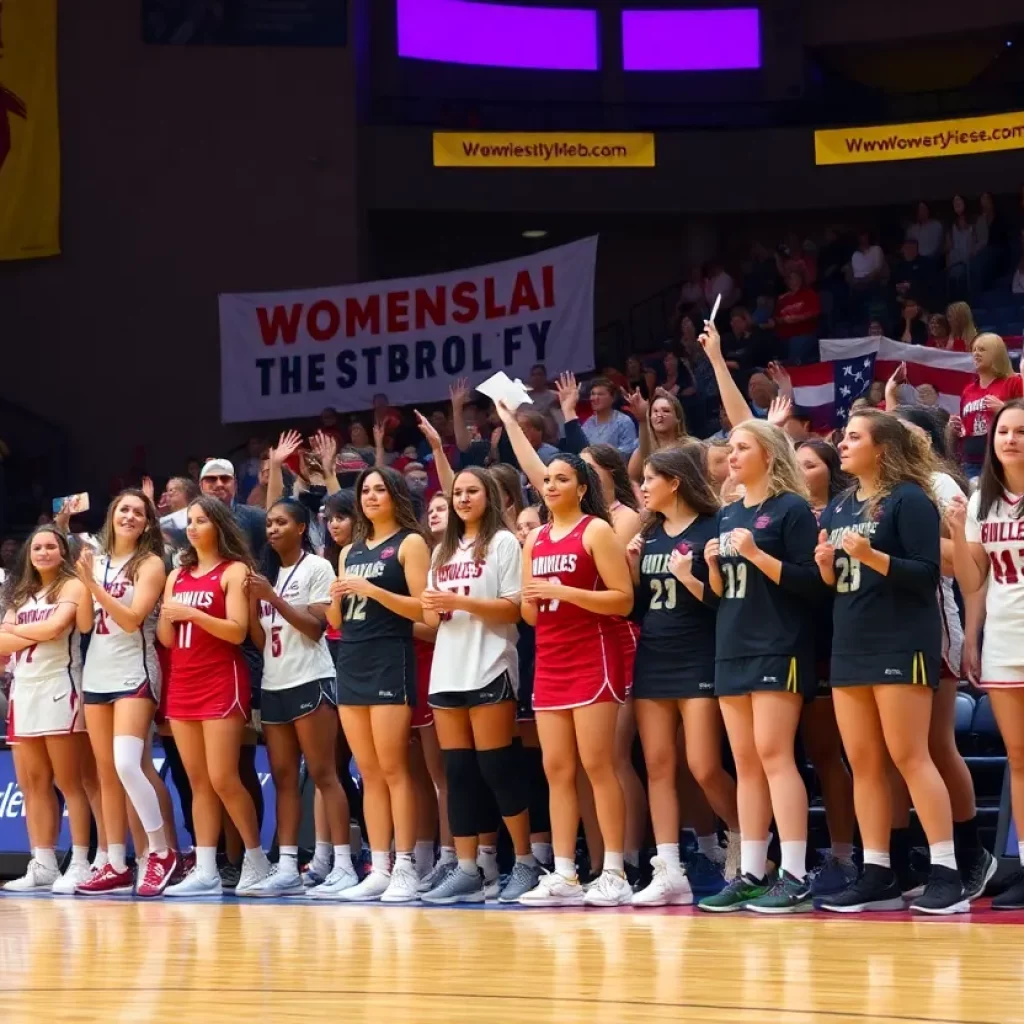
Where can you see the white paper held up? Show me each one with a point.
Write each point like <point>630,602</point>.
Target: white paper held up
<point>500,387</point>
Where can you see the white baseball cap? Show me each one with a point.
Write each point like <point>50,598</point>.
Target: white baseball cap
<point>217,467</point>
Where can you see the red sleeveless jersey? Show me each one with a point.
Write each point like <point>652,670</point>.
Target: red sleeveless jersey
<point>578,657</point>
<point>209,677</point>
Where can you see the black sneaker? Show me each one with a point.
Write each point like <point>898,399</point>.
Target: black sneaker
<point>877,889</point>
<point>911,882</point>
<point>944,893</point>
<point>1012,898</point>
<point>978,873</point>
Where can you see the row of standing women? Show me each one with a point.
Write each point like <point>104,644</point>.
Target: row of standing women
<point>771,615</point>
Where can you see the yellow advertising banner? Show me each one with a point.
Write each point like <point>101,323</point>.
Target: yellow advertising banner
<point>543,149</point>
<point>29,139</point>
<point>921,140</point>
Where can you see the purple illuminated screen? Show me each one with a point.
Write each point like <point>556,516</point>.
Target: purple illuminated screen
<point>497,35</point>
<point>723,40</point>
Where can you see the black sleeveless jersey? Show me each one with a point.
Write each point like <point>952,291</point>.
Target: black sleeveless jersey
<point>672,621</point>
<point>898,612</point>
<point>757,617</point>
<point>362,617</point>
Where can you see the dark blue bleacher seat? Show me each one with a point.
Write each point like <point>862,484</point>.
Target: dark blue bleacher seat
<point>986,732</point>
<point>964,715</point>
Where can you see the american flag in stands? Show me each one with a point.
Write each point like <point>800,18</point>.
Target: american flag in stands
<point>827,389</point>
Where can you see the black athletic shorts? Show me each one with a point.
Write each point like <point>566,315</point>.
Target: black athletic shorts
<point>657,676</point>
<point>877,668</point>
<point>254,660</point>
<point>280,707</point>
<point>145,691</point>
<point>774,673</point>
<point>374,672</point>
<point>495,692</point>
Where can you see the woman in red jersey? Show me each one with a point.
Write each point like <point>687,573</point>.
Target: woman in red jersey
<point>203,620</point>
<point>995,385</point>
<point>575,576</point>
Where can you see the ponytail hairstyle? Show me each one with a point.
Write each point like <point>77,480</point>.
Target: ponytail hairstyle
<point>906,456</point>
<point>151,540</point>
<point>25,582</point>
<point>687,465</point>
<point>992,485</point>
<point>609,459</point>
<point>492,523</point>
<point>592,502</point>
<point>270,560</point>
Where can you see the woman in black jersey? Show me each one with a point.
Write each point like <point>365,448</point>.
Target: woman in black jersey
<point>375,602</point>
<point>819,463</point>
<point>879,548</point>
<point>674,671</point>
<point>761,565</point>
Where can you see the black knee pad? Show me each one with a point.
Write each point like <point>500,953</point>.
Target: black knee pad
<point>504,771</point>
<point>466,791</point>
<point>539,794</point>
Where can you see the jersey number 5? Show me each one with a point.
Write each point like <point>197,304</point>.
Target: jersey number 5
<point>735,579</point>
<point>102,625</point>
<point>848,576</point>
<point>275,641</point>
<point>355,608</point>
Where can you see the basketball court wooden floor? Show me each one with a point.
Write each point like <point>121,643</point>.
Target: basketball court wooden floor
<point>166,962</point>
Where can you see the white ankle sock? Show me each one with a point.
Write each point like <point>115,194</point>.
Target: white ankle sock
<point>566,867</point>
<point>206,861</point>
<point>753,857</point>
<point>381,861</point>
<point>669,853</point>
<point>288,857</point>
<point>423,855</point>
<point>342,856</point>
<point>942,855</point>
<point>614,862</point>
<point>80,855</point>
<point>117,855</point>
<point>322,854</point>
<point>880,858</point>
<point>46,857</point>
<point>794,858</point>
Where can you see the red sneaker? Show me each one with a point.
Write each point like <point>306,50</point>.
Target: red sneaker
<point>107,882</point>
<point>157,875</point>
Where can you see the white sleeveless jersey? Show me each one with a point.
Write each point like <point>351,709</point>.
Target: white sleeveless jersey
<point>1001,533</point>
<point>289,657</point>
<point>116,661</point>
<point>469,653</point>
<point>49,660</point>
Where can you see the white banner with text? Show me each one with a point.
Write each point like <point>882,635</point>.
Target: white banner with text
<point>291,354</point>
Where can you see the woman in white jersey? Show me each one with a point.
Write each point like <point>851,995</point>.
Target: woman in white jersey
<point>976,864</point>
<point>121,683</point>
<point>48,606</point>
<point>988,538</point>
<point>472,597</point>
<point>287,618</point>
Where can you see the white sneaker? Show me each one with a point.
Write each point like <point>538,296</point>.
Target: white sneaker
<point>372,887</point>
<point>732,857</point>
<point>37,878</point>
<point>404,886</point>
<point>610,890</point>
<point>341,879</point>
<point>278,883</point>
<point>668,888</point>
<point>554,890</point>
<point>72,879</point>
<point>255,870</point>
<point>195,884</point>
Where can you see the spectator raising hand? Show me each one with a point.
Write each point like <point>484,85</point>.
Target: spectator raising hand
<point>780,377</point>
<point>379,436</point>
<point>445,475</point>
<point>568,395</point>
<point>288,444</point>
<point>779,411</point>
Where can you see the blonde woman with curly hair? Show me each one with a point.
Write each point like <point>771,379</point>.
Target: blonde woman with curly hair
<point>761,567</point>
<point>880,550</point>
<point>995,384</point>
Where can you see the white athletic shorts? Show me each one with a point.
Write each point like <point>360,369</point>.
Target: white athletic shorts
<point>48,707</point>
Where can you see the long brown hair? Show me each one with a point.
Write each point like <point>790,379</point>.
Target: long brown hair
<point>25,581</point>
<point>491,523</point>
<point>510,487</point>
<point>906,457</point>
<point>686,464</point>
<point>592,503</point>
<point>151,540</point>
<point>231,543</point>
<point>992,484</point>
<point>677,408</point>
<point>609,459</point>
<point>401,501</point>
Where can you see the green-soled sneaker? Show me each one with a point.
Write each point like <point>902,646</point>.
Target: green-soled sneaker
<point>787,896</point>
<point>737,895</point>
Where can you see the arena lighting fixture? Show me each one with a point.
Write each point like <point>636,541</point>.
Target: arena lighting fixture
<point>499,35</point>
<point>689,40</point>
<point>535,233</point>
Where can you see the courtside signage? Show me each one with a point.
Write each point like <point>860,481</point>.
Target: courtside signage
<point>921,140</point>
<point>544,149</point>
<point>290,354</point>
